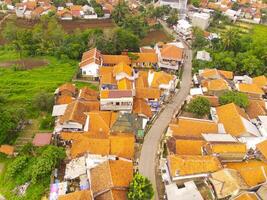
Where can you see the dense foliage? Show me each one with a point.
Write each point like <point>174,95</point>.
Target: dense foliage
<point>242,53</point>
<point>200,106</point>
<point>238,98</point>
<point>140,188</point>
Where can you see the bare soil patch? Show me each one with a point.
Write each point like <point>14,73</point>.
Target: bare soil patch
<point>154,37</point>
<point>24,63</point>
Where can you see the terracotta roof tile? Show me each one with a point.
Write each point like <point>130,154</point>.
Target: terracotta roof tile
<point>105,94</point>
<point>125,84</point>
<point>69,87</point>
<point>42,139</point>
<point>256,108</point>
<point>150,57</point>
<point>79,195</point>
<point>227,148</point>
<point>262,147</point>
<point>193,127</point>
<point>246,196</point>
<point>91,56</point>
<point>260,81</point>
<point>171,52</point>
<point>7,149</point>
<point>115,59</point>
<point>250,88</point>
<point>141,107</point>
<point>161,78</point>
<point>214,100</point>
<point>64,99</point>
<point>217,85</point>
<point>122,68</point>
<point>122,145</point>
<point>88,94</point>
<point>147,93</point>
<point>190,165</point>
<point>182,146</point>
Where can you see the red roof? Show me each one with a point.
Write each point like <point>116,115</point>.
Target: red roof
<point>42,139</point>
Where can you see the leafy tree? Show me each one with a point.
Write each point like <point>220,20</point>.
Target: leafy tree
<point>16,166</point>
<point>47,123</point>
<point>195,3</point>
<point>140,188</point>
<point>238,98</point>
<point>199,41</point>
<point>80,2</point>
<point>43,101</point>
<point>120,12</point>
<point>230,40</point>
<point>8,125</point>
<point>173,17</point>
<point>137,25</point>
<point>199,106</point>
<point>161,11</point>
<point>225,60</point>
<point>50,157</point>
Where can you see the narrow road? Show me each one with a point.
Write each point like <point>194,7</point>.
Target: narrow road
<point>148,157</point>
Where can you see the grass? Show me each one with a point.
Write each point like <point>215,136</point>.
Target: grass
<point>19,87</point>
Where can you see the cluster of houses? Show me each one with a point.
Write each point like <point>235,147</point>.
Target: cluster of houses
<point>100,130</point>
<point>223,156</point>
<point>247,11</point>
<point>34,9</point>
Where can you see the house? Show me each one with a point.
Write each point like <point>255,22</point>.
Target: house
<point>76,11</point>
<point>87,94</point>
<point>184,28</point>
<point>231,14</point>
<point>203,55</point>
<point>89,12</point>
<point>261,82</point>
<point>227,182</point>
<point>179,145</point>
<point>7,149</point>
<point>201,20</point>
<point>144,60</point>
<point>170,56</point>
<point>142,108</point>
<point>215,87</point>
<point>116,100</point>
<point>78,195</point>
<point>253,172</point>
<point>262,150</point>
<point>192,127</point>
<point>256,108</point>
<point>235,121</point>
<point>247,196</point>
<point>42,139</point>
<point>37,12</point>
<point>252,90</point>
<point>188,192</point>
<point>226,151</point>
<point>90,63</point>
<point>64,14</point>
<point>20,8</point>
<point>243,79</point>
<point>186,167</point>
<point>112,60</point>
<point>67,89</point>
<point>215,74</point>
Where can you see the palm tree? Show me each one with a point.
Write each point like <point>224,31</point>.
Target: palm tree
<point>230,39</point>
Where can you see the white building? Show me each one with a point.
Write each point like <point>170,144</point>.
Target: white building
<point>201,20</point>
<point>184,28</point>
<point>231,14</point>
<point>203,55</point>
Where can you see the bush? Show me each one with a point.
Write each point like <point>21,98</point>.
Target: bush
<point>16,166</point>
<point>140,188</point>
<point>47,123</point>
<point>238,98</point>
<point>199,106</point>
<point>44,101</point>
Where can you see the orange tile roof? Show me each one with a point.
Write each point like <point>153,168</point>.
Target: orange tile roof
<point>226,74</point>
<point>71,136</point>
<point>125,84</point>
<point>160,78</point>
<point>217,85</point>
<point>150,57</point>
<point>90,145</point>
<point>256,108</point>
<point>7,149</point>
<point>230,116</point>
<point>108,78</point>
<point>111,174</point>
<point>64,99</point>
<point>247,196</point>
<point>147,50</point>
<point>88,94</point>
<point>171,52</point>
<point>210,73</point>
<point>122,68</point>
<point>141,107</point>
<point>122,145</point>
<point>67,87</point>
<point>250,88</point>
<point>78,195</point>
<point>38,11</point>
<point>190,165</point>
<point>147,93</point>
<point>260,81</point>
<point>91,56</point>
<point>31,5</point>
<point>75,8</point>
<point>142,80</point>
<point>228,148</point>
<point>182,147</point>
<point>63,12</point>
<point>262,147</point>
<point>115,59</point>
<point>193,127</point>
<point>214,100</point>
<point>252,171</point>
<point>114,194</point>
<point>105,70</point>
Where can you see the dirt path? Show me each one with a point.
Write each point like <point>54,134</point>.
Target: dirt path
<point>27,63</point>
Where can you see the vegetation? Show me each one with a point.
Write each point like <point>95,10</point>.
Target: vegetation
<point>195,3</point>
<point>200,106</point>
<point>33,166</point>
<point>242,53</point>
<point>140,188</point>
<point>238,98</point>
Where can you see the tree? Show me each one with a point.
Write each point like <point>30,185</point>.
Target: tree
<point>199,41</point>
<point>238,98</point>
<point>140,188</point>
<point>224,60</point>
<point>8,125</point>
<point>199,106</point>
<point>120,12</point>
<point>230,40</point>
<point>137,25</point>
<point>43,101</point>
<point>16,166</point>
<point>195,3</point>
<point>173,17</point>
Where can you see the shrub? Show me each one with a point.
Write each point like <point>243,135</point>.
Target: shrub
<point>238,98</point>
<point>199,106</point>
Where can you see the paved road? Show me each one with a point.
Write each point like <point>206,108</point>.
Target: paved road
<point>148,158</point>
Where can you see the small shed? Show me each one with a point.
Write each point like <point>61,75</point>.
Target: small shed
<point>42,139</point>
